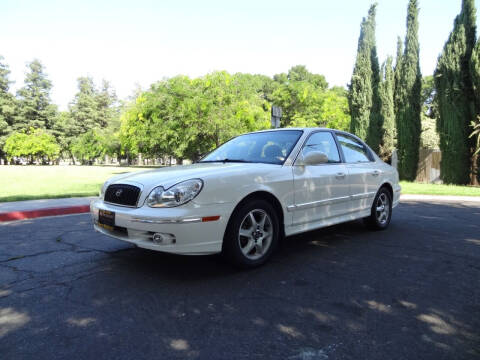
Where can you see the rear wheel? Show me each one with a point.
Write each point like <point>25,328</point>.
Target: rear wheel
<point>252,234</point>
<point>381,212</point>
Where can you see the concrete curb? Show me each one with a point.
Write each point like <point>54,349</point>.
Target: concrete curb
<point>31,214</point>
<point>439,198</point>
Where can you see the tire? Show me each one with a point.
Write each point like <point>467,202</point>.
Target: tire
<point>247,242</point>
<point>381,212</point>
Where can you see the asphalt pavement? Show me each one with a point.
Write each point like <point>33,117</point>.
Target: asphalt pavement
<point>411,292</point>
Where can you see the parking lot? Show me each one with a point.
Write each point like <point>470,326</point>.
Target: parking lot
<point>411,292</point>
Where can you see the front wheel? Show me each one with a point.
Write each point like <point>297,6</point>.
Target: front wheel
<point>252,234</point>
<point>381,212</point>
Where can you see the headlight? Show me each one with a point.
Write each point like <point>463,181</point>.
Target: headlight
<point>103,189</point>
<point>177,195</point>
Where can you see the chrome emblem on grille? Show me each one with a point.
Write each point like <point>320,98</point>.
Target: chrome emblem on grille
<point>119,192</point>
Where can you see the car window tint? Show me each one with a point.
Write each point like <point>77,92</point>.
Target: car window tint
<point>323,141</point>
<point>353,150</point>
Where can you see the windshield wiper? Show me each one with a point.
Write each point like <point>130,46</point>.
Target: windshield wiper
<point>226,161</point>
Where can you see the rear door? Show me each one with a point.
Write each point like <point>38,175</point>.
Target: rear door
<point>321,191</point>
<point>363,172</point>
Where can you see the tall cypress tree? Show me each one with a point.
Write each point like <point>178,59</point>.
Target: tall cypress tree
<point>363,88</point>
<point>397,72</point>
<point>408,100</point>
<point>388,132</point>
<point>455,97</point>
<point>374,135</point>
<point>475,72</point>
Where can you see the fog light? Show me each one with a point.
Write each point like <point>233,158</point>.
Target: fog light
<point>163,239</point>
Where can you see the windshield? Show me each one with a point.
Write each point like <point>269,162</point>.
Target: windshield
<point>270,147</point>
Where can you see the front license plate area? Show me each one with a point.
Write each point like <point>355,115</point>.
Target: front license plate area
<point>106,219</point>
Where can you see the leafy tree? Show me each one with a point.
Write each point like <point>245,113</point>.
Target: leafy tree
<point>429,138</point>
<point>388,130</point>
<point>332,112</point>
<point>300,102</point>
<point>37,144</point>
<point>300,73</point>
<point>66,132</point>
<point>363,88</point>
<point>185,117</point>
<point>7,107</point>
<point>455,97</point>
<point>35,108</point>
<point>300,95</point>
<point>95,114</point>
<point>89,146</point>
<point>408,99</point>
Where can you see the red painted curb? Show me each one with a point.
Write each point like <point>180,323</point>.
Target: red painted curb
<point>31,214</point>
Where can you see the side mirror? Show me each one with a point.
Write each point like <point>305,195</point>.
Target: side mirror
<point>312,158</point>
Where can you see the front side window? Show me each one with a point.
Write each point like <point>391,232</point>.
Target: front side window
<point>270,147</point>
<point>353,150</point>
<point>323,141</point>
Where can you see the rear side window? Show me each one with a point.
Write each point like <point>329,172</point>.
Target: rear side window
<point>353,150</point>
<point>323,141</point>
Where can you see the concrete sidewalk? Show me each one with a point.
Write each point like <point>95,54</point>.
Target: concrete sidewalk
<point>18,210</point>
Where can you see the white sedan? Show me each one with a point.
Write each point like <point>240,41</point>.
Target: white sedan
<point>243,197</point>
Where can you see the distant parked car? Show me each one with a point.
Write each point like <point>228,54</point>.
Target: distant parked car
<point>244,196</point>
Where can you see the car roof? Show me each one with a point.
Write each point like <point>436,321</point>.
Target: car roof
<point>305,129</point>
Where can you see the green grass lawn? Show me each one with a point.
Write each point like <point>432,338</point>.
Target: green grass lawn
<point>48,182</point>
<point>438,189</point>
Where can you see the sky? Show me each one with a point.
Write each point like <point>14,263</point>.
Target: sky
<point>136,43</point>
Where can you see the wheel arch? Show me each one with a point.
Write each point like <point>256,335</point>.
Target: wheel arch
<point>387,186</point>
<point>262,195</point>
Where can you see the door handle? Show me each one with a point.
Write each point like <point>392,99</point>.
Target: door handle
<point>340,175</point>
<point>376,172</point>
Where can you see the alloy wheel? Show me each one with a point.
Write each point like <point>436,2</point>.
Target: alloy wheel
<point>255,234</point>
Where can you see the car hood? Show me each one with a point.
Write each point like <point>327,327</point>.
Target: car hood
<point>169,176</point>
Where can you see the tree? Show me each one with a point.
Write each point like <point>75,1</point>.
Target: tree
<point>429,138</point>
<point>475,124</point>
<point>375,123</point>
<point>186,118</point>
<point>89,146</point>
<point>397,73</point>
<point>35,109</point>
<point>65,131</point>
<point>408,99</point>
<point>300,94</point>
<point>332,112</point>
<point>455,96</point>
<point>106,100</point>
<point>388,130</point>
<point>363,88</point>
<point>37,144</point>
<point>84,107</point>
<point>7,107</point>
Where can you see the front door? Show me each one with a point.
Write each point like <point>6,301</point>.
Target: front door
<point>321,192</point>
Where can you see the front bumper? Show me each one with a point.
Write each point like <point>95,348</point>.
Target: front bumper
<point>192,235</point>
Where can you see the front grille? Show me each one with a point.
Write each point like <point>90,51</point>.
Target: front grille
<point>122,194</point>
